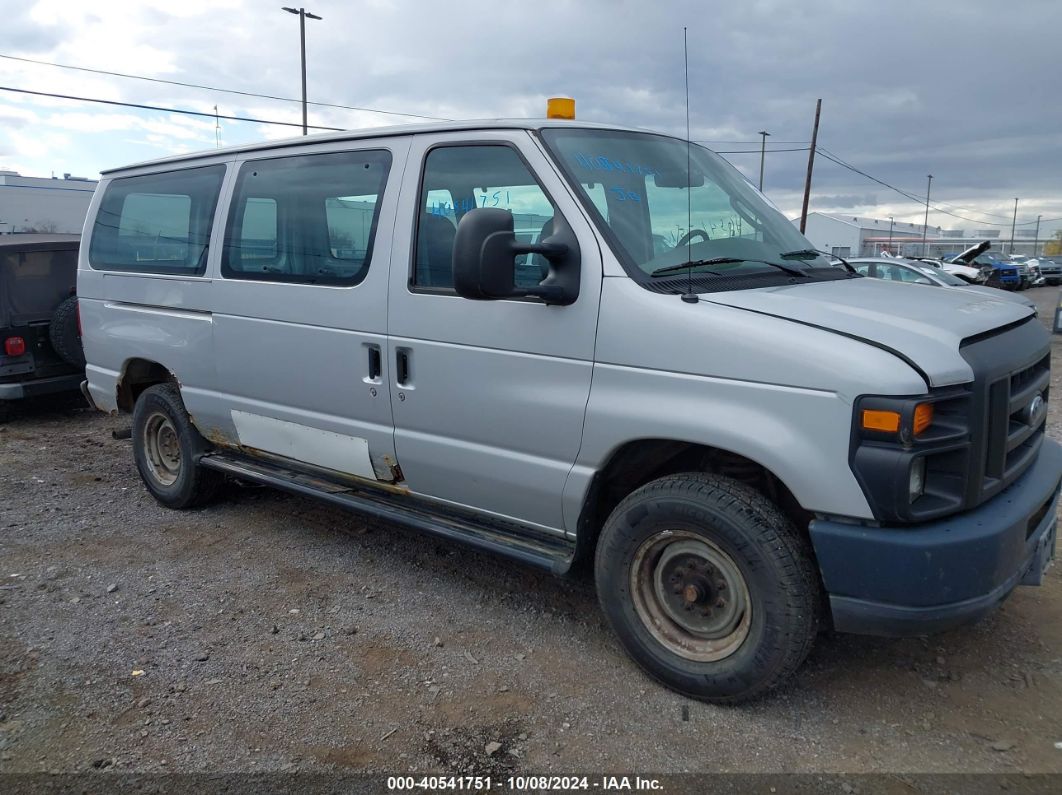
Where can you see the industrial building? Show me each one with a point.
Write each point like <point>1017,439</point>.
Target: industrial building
<point>42,204</point>
<point>860,236</point>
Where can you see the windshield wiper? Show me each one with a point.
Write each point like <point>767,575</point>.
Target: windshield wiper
<point>800,253</point>
<point>695,263</point>
<point>670,269</point>
<point>804,253</point>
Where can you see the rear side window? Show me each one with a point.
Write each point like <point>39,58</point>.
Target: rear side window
<point>157,223</point>
<point>309,219</point>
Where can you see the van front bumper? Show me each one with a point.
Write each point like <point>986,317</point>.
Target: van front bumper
<point>925,578</point>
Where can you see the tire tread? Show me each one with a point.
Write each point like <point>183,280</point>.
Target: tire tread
<point>776,536</point>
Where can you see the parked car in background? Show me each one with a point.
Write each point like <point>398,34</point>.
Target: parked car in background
<point>1050,270</point>
<point>919,272</point>
<point>1029,269</point>
<point>970,274</point>
<point>41,351</point>
<point>1004,275</point>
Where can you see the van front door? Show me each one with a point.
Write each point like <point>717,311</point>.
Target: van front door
<point>300,317</point>
<point>488,396</point>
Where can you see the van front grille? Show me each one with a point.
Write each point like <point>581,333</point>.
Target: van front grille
<point>1011,405</point>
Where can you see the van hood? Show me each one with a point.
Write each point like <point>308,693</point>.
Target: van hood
<point>922,325</point>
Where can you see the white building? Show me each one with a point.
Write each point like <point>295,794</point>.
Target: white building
<point>40,204</point>
<point>859,236</point>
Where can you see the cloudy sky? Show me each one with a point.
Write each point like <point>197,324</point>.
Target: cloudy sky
<point>964,89</point>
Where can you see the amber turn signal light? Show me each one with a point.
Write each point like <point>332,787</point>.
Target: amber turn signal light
<point>923,417</point>
<point>887,421</point>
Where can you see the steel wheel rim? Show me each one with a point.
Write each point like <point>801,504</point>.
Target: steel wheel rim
<point>690,595</point>
<point>162,449</point>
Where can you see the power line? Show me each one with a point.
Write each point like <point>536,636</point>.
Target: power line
<point>757,151</point>
<point>915,198</point>
<point>704,141</point>
<point>835,159</point>
<point>164,109</point>
<point>216,88</point>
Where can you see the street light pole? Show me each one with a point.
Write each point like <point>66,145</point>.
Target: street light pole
<point>891,224</point>
<point>763,151</point>
<point>1036,236</point>
<point>925,226</point>
<point>1013,223</point>
<point>302,14</point>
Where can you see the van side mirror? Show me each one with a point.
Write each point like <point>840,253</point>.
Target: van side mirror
<point>485,251</point>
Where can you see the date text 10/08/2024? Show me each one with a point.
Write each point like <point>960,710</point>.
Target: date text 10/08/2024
<point>522,783</point>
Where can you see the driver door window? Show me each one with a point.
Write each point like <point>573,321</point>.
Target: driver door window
<point>462,178</point>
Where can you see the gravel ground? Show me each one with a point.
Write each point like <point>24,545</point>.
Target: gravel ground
<point>269,633</point>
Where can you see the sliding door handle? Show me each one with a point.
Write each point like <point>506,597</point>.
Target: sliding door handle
<point>403,373</point>
<point>375,363</point>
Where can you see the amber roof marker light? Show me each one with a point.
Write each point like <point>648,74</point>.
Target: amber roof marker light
<point>560,108</point>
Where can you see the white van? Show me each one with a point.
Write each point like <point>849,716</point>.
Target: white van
<point>563,342</point>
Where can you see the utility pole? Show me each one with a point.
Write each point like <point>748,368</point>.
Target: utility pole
<point>925,226</point>
<point>811,166</point>
<point>302,14</point>
<point>892,222</point>
<point>1036,236</point>
<point>1013,223</point>
<point>763,151</point>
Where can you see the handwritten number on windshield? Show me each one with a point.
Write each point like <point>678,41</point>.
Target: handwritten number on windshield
<point>625,195</point>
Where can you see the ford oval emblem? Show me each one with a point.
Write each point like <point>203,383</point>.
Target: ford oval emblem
<point>1035,411</point>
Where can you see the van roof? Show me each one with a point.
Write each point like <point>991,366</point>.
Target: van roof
<point>379,132</point>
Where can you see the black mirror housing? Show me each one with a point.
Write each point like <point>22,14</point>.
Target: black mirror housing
<point>485,251</point>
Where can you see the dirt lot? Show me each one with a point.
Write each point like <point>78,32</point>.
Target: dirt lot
<point>269,633</point>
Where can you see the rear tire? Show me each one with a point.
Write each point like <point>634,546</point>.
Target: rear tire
<point>166,448</point>
<point>708,586</point>
<point>63,333</point>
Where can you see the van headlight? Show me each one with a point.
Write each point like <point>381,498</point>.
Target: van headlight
<point>911,454</point>
<point>916,484</point>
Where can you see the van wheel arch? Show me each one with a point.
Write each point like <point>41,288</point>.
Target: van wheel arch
<point>138,375</point>
<point>637,462</point>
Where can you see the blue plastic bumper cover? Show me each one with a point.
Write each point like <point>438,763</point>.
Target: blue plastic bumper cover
<point>929,577</point>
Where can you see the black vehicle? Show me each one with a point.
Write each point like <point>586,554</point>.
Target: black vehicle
<point>40,343</point>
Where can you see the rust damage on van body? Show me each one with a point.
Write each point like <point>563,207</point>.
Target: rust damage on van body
<point>396,470</point>
<point>339,479</point>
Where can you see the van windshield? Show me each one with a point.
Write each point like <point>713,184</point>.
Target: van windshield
<point>658,215</point>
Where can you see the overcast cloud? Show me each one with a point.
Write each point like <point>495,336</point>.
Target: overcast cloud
<point>963,89</point>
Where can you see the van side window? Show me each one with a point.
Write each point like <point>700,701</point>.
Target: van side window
<point>309,219</point>
<point>460,178</point>
<point>157,223</point>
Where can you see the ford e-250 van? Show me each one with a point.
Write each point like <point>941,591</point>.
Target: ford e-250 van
<point>564,342</point>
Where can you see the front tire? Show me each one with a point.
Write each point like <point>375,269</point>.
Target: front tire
<point>708,586</point>
<point>166,448</point>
